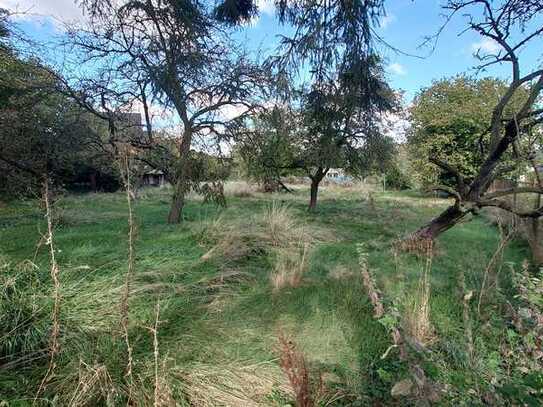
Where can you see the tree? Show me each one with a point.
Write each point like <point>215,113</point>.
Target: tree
<point>43,133</point>
<point>329,126</point>
<point>339,129</point>
<point>172,53</point>
<point>508,24</point>
<point>267,147</point>
<point>342,109</point>
<point>449,120</point>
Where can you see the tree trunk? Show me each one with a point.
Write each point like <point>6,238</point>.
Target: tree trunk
<point>315,181</point>
<point>178,202</point>
<point>446,220</point>
<point>182,183</point>
<point>314,192</point>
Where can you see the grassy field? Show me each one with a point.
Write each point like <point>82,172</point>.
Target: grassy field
<point>230,281</point>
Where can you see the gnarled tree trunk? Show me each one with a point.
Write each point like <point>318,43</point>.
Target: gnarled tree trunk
<point>446,220</point>
<point>182,184</point>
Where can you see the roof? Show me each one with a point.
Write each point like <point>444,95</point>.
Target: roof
<point>154,172</point>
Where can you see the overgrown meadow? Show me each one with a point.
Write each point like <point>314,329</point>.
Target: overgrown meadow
<point>264,304</point>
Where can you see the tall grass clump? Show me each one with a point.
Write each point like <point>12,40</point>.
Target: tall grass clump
<point>416,387</point>
<point>239,189</point>
<point>291,244</point>
<point>280,223</point>
<point>24,324</point>
<point>275,233</point>
<point>416,318</point>
<point>290,267</point>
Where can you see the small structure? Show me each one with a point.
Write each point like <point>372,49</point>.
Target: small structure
<point>337,175</point>
<point>154,178</point>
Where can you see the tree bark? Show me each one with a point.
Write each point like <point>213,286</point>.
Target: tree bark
<point>446,220</point>
<point>454,214</point>
<point>313,197</point>
<point>182,183</point>
<point>315,181</point>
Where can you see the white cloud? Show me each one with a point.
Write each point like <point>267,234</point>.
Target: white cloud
<point>486,46</point>
<point>397,69</point>
<point>387,20</point>
<point>67,11</point>
<point>58,11</point>
<point>266,7</point>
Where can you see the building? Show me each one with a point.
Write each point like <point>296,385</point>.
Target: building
<point>154,178</point>
<point>337,175</point>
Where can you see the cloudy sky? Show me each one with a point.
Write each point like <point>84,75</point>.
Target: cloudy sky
<point>404,27</point>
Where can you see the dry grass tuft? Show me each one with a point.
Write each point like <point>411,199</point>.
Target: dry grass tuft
<point>415,245</point>
<point>232,385</point>
<point>233,246</point>
<point>416,318</point>
<point>94,385</point>
<point>290,268</point>
<point>280,223</point>
<point>239,189</point>
<point>275,231</point>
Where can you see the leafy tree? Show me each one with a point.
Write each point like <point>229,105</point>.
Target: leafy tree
<point>509,23</point>
<point>171,53</point>
<point>339,129</point>
<point>328,127</point>
<point>43,133</point>
<point>449,121</point>
<point>46,135</point>
<point>267,148</point>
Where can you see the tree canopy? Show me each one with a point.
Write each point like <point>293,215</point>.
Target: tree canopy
<point>450,120</point>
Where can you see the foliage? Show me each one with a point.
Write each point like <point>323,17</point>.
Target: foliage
<point>268,149</point>
<point>396,178</point>
<point>331,38</point>
<point>327,126</point>
<point>523,352</point>
<point>174,54</point>
<point>45,132</point>
<point>513,129</point>
<point>450,120</point>
<point>339,127</point>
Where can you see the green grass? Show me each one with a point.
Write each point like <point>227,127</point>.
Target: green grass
<point>224,329</point>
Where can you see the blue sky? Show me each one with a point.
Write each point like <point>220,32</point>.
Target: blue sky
<point>406,25</point>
